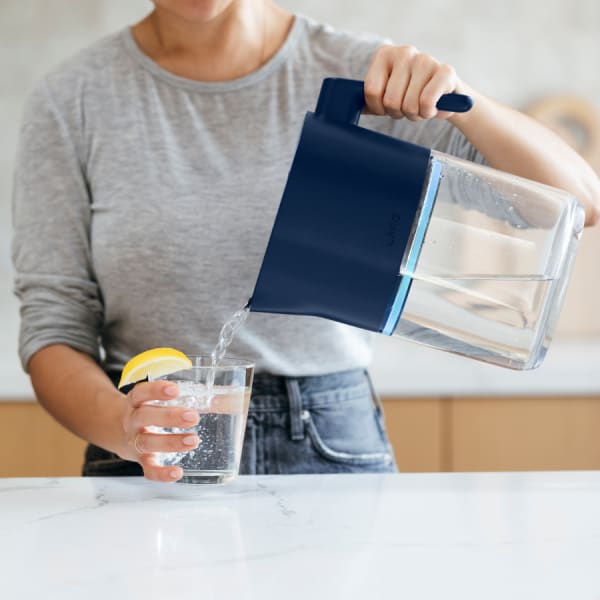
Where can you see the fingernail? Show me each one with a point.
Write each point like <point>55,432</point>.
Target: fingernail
<point>190,416</point>
<point>174,474</point>
<point>170,390</point>
<point>190,440</point>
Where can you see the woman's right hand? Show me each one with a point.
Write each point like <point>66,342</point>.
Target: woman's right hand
<point>140,445</point>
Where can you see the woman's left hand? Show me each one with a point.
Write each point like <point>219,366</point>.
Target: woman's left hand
<point>403,82</point>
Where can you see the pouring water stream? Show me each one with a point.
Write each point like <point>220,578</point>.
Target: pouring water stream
<point>226,335</point>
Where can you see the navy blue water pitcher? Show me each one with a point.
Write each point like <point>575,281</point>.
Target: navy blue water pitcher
<point>403,240</point>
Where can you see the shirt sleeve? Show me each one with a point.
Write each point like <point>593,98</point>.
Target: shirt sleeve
<point>60,302</point>
<point>433,133</point>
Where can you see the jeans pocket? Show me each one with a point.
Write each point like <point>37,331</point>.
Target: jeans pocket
<point>348,432</point>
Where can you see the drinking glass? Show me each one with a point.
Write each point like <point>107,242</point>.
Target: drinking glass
<point>222,405</point>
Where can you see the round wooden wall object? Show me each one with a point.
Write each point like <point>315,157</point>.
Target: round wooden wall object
<point>576,120</point>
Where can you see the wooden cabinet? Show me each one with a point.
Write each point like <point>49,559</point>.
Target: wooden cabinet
<point>428,434</point>
<point>416,428</point>
<point>495,433</point>
<point>32,444</point>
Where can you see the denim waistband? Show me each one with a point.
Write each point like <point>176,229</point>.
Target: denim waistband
<point>272,392</point>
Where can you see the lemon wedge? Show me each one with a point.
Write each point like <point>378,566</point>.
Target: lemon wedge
<point>153,363</point>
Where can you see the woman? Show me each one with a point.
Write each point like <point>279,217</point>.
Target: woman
<point>149,173</point>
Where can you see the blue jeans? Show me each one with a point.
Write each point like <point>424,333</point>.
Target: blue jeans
<point>326,424</point>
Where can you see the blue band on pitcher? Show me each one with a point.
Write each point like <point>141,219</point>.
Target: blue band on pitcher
<point>406,278</point>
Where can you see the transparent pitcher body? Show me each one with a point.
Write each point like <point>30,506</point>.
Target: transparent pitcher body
<point>487,264</point>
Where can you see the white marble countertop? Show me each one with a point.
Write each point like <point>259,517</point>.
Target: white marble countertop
<point>414,536</point>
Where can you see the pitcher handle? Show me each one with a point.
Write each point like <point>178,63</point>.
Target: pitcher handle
<point>342,100</point>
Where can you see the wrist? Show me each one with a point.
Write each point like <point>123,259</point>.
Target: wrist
<point>118,410</point>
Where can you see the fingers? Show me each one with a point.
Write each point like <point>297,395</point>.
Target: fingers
<point>376,80</point>
<point>395,92</point>
<point>156,472</point>
<point>414,106</point>
<point>443,81</point>
<point>403,82</point>
<point>152,390</point>
<point>163,416</point>
<point>148,443</point>
<point>141,445</point>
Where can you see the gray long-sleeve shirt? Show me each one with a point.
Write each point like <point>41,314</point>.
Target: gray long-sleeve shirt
<point>143,202</point>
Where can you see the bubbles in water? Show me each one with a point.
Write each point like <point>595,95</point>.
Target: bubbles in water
<point>220,429</point>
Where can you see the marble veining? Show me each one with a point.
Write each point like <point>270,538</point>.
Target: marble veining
<point>488,535</point>
<point>281,505</point>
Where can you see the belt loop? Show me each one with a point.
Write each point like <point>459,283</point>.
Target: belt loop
<point>295,399</point>
<point>374,395</point>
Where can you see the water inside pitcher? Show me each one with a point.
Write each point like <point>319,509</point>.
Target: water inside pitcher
<point>488,277</point>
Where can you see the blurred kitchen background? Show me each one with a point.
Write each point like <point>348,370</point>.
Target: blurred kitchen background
<point>443,412</point>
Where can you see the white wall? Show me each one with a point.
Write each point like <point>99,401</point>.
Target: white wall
<point>513,50</point>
